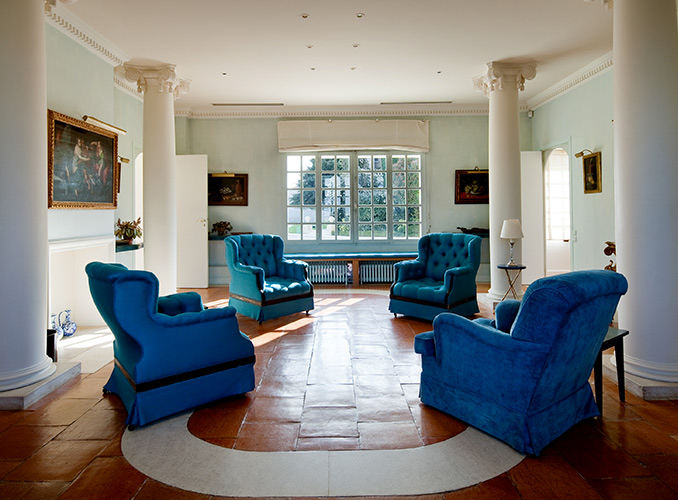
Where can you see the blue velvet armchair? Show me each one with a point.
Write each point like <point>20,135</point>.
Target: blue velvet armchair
<point>171,354</point>
<point>441,279</point>
<point>264,285</point>
<point>523,377</point>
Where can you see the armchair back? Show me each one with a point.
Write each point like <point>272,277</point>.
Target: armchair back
<point>443,251</point>
<point>259,250</point>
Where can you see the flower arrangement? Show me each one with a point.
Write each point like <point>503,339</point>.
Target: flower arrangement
<point>222,228</point>
<point>128,230</point>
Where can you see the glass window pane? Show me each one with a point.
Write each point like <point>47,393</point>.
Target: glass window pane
<point>328,214</point>
<point>399,214</point>
<point>294,231</point>
<point>398,179</point>
<point>293,215</point>
<point>343,180</point>
<point>309,215</point>
<point>308,163</point>
<point>379,214</point>
<point>413,179</point>
<point>379,179</point>
<point>329,231</point>
<point>293,181</point>
<point>413,215</point>
<point>379,163</point>
<point>398,162</point>
<point>327,197</point>
<point>308,180</point>
<point>412,163</point>
<point>364,180</point>
<point>328,180</point>
<point>364,197</point>
<point>343,163</point>
<point>379,197</point>
<point>343,197</point>
<point>363,163</point>
<point>309,232</point>
<point>309,197</point>
<point>413,196</point>
<point>399,231</point>
<point>343,231</point>
<point>293,163</point>
<point>343,214</point>
<point>294,197</point>
<point>365,214</point>
<point>398,196</point>
<point>327,163</point>
<point>414,230</point>
<point>365,231</point>
<point>380,231</point>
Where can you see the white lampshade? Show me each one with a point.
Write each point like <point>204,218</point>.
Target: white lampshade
<point>511,230</point>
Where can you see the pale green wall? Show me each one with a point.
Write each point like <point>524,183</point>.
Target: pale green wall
<point>81,83</point>
<point>582,119</point>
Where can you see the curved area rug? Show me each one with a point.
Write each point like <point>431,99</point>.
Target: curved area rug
<point>167,452</point>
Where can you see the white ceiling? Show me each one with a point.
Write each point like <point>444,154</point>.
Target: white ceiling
<point>256,51</point>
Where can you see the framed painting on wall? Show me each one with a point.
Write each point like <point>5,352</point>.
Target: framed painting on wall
<point>593,182</point>
<point>227,189</point>
<point>471,186</point>
<point>82,164</point>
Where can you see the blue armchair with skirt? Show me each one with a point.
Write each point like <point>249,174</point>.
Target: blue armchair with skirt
<point>264,285</point>
<point>170,353</point>
<point>441,279</point>
<point>524,376</point>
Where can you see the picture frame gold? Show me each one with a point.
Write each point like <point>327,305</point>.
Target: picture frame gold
<point>593,182</point>
<point>471,187</point>
<point>82,164</point>
<point>227,189</point>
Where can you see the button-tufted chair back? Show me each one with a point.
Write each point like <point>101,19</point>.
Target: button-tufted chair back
<point>443,251</point>
<point>260,250</point>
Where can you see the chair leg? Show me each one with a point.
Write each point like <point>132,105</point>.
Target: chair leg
<point>598,381</point>
<point>619,357</point>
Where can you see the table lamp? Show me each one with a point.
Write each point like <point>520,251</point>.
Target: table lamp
<point>511,230</point>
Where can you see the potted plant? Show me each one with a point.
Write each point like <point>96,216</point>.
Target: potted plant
<point>126,231</point>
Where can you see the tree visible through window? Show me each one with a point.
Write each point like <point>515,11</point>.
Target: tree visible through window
<point>354,197</point>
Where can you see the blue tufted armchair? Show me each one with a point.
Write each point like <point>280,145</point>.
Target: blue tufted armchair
<point>264,285</point>
<point>441,279</point>
<point>171,354</point>
<point>523,377</point>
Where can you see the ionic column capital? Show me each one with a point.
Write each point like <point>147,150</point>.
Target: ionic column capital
<point>504,75</point>
<point>163,78</point>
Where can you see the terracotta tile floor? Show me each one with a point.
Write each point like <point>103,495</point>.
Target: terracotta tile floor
<point>344,378</point>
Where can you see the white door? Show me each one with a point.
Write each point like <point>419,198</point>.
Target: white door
<point>192,244</point>
<point>532,218</point>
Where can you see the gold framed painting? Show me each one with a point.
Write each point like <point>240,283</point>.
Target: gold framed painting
<point>82,164</point>
<point>227,189</point>
<point>471,187</point>
<point>593,182</point>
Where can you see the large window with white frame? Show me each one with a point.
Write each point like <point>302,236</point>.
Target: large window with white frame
<point>354,196</point>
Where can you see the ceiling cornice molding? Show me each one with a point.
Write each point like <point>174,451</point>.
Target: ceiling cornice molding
<point>593,70</point>
<point>336,111</point>
<point>86,36</point>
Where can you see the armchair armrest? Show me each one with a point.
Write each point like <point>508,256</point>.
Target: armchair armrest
<point>178,303</point>
<point>505,313</point>
<point>250,278</point>
<point>293,269</point>
<point>460,283</point>
<point>409,270</point>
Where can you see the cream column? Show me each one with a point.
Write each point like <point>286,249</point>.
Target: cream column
<point>160,86</point>
<point>23,196</point>
<point>646,182</point>
<point>501,84</point>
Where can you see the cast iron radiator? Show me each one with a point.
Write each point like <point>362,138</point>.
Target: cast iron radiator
<point>377,271</point>
<point>328,271</point>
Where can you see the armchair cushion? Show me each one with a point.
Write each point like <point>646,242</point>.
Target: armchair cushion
<point>170,353</point>
<point>524,381</point>
<point>440,279</point>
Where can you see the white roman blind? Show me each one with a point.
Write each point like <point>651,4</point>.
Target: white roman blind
<point>350,135</point>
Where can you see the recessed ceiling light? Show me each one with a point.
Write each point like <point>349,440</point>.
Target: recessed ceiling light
<point>356,45</point>
<point>224,74</point>
<point>312,69</point>
<point>309,46</point>
<point>360,15</point>
<point>353,68</point>
<point>439,72</point>
<point>303,15</point>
